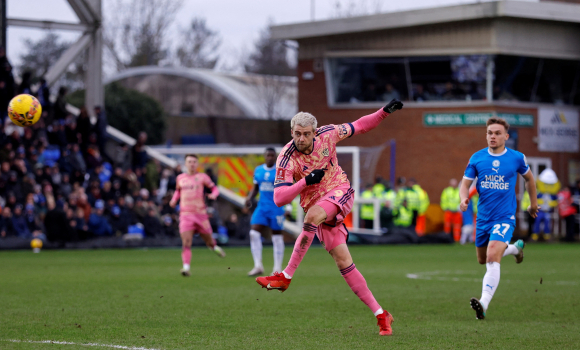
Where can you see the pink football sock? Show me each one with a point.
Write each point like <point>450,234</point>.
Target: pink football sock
<point>186,255</point>
<point>357,283</point>
<point>301,246</point>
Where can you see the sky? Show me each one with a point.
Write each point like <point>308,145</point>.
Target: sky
<point>238,22</point>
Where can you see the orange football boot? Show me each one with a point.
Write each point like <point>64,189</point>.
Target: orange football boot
<point>277,281</point>
<point>384,321</point>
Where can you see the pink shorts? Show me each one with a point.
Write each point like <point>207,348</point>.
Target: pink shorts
<point>198,223</point>
<point>337,204</point>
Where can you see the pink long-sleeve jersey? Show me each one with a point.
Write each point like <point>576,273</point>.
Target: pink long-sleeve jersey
<point>191,190</point>
<point>292,166</point>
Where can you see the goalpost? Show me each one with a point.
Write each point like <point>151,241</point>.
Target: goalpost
<point>235,166</point>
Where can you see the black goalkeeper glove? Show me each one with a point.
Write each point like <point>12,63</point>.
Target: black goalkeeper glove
<point>392,106</point>
<point>314,177</point>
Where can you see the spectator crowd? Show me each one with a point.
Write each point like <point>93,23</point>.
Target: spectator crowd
<point>58,183</point>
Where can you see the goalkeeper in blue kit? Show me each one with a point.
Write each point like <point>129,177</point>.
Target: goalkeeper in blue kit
<point>496,168</point>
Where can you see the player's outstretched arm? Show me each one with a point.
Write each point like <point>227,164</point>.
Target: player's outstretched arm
<point>215,192</point>
<point>371,121</point>
<point>176,196</point>
<point>531,187</point>
<point>464,193</point>
<point>285,194</point>
<point>253,193</point>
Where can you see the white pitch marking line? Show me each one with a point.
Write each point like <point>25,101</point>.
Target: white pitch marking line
<point>431,275</point>
<point>71,343</point>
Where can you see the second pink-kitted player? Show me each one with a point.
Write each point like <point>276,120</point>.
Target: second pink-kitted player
<point>190,190</point>
<point>308,166</point>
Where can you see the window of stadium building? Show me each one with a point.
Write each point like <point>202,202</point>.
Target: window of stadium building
<point>529,79</point>
<point>453,78</point>
<point>439,78</point>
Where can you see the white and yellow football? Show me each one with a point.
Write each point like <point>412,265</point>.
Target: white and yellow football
<point>24,110</point>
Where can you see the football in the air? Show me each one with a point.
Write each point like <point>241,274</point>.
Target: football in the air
<point>24,110</point>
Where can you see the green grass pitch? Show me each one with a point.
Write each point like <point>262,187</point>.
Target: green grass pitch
<point>137,298</point>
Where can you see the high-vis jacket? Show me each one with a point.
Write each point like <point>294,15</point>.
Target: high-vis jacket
<point>450,199</point>
<point>403,217</point>
<point>367,210</point>
<point>423,199</point>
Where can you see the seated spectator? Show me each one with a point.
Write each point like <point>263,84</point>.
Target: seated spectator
<point>116,189</point>
<point>65,187</point>
<point>122,157</point>
<point>5,152</point>
<point>390,93</point>
<point>168,226</point>
<point>166,209</point>
<point>232,225</point>
<point>94,158</point>
<point>386,216</point>
<point>151,174</point>
<point>139,153</point>
<point>94,195</point>
<point>28,139</point>
<point>77,161</point>
<point>152,225</point>
<point>6,228</point>
<point>13,186</point>
<point>56,225</point>
<point>127,205</point>
<point>33,222</point>
<point>84,127</point>
<point>59,107</point>
<point>71,132</point>
<point>82,203</point>
<point>80,225</point>
<point>55,174</point>
<point>98,224</point>
<point>119,222</point>
<point>213,219</point>
<point>420,94</point>
<point>164,183</point>
<point>19,223</point>
<point>11,201</point>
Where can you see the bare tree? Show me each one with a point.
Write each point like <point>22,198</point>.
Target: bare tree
<point>199,45</point>
<point>135,31</point>
<point>40,55</point>
<point>269,56</point>
<point>276,95</point>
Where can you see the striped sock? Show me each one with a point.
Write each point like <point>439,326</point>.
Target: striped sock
<point>301,246</point>
<point>358,284</point>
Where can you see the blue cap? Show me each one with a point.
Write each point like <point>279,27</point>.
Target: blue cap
<point>100,204</point>
<point>116,210</point>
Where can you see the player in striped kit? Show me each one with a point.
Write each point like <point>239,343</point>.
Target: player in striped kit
<point>308,166</point>
<point>193,212</point>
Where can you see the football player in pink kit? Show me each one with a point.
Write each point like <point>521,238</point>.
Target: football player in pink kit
<point>308,166</point>
<point>193,214</point>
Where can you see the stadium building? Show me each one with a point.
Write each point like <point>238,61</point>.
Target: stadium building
<point>454,67</point>
<point>204,106</point>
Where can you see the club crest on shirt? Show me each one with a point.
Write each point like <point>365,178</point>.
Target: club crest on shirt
<point>325,152</point>
<point>342,130</point>
<point>280,174</point>
<point>495,163</point>
<point>338,193</point>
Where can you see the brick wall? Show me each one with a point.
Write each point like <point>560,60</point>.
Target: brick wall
<point>432,155</point>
